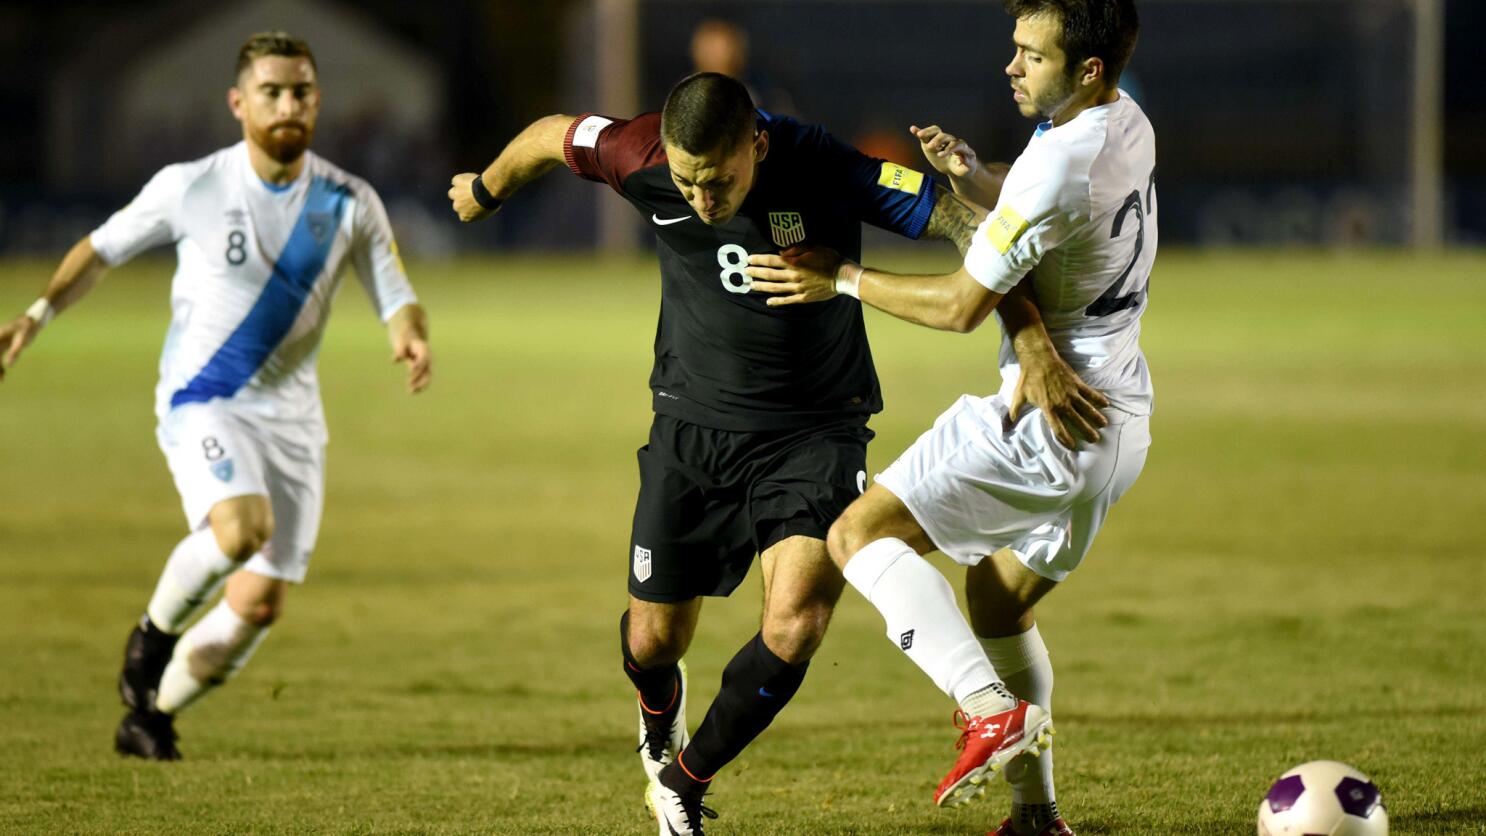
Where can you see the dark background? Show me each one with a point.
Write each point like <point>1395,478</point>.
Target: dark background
<point>1279,121</point>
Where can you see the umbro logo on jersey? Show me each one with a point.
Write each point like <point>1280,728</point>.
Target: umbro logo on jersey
<point>642,564</point>
<point>905,641</point>
<point>659,221</point>
<point>237,217</point>
<point>786,228</point>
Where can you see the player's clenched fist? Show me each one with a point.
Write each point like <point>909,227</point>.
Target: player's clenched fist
<point>946,152</point>
<point>462,195</point>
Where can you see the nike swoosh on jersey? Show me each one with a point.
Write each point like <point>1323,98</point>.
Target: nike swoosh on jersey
<point>659,221</point>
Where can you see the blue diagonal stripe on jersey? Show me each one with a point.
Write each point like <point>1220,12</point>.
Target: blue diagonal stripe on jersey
<point>274,313</point>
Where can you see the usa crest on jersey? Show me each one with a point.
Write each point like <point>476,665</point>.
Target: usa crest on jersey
<point>642,564</point>
<point>786,228</point>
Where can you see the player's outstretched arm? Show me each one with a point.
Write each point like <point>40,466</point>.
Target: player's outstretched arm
<point>80,269</point>
<point>949,302</point>
<point>534,152</point>
<point>407,330</point>
<point>1047,382</point>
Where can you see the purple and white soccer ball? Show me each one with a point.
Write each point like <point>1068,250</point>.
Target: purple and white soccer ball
<point>1323,798</point>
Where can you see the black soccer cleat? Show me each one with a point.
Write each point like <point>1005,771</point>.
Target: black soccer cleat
<point>147,734</point>
<point>145,656</point>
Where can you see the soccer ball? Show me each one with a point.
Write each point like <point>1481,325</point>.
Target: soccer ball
<point>1323,798</point>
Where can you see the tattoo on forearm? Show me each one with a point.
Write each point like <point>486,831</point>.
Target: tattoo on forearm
<point>951,220</point>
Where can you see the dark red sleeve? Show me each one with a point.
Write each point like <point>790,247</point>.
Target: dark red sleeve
<point>610,150</point>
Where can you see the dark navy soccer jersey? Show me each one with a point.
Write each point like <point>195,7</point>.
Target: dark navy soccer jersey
<point>724,358</point>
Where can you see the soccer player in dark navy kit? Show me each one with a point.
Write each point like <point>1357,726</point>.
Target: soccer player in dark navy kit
<point>760,433</point>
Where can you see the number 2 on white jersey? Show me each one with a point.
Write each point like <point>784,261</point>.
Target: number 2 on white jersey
<point>1111,301</point>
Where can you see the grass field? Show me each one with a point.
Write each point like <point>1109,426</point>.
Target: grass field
<point>1299,573</point>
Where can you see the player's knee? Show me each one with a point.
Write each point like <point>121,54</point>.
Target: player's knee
<point>241,537</point>
<point>656,644</point>
<point>796,635</point>
<point>845,538</point>
<point>263,613</point>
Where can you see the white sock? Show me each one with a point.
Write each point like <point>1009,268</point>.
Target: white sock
<point>193,575</point>
<point>209,654</point>
<point>1023,661</point>
<point>922,617</point>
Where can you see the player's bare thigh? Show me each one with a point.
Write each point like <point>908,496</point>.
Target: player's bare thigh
<point>661,632</point>
<point>241,525</point>
<point>801,588</point>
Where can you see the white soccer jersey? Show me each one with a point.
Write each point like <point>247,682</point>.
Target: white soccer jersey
<point>1078,212</point>
<point>257,268</point>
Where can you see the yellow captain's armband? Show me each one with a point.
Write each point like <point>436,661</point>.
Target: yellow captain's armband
<point>397,255</point>
<point>1005,228</point>
<point>894,176</point>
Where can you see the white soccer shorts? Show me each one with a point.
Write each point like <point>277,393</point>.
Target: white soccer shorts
<point>978,484</point>
<point>216,452</point>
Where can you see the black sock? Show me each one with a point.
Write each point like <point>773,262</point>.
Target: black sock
<point>658,686</point>
<point>755,686</point>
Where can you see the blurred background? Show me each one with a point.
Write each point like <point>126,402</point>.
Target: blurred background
<point>1313,122</point>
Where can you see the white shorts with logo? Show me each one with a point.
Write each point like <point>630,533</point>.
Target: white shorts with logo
<point>216,453</point>
<point>977,484</point>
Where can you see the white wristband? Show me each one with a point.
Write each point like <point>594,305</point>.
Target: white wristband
<point>42,311</point>
<point>848,278</point>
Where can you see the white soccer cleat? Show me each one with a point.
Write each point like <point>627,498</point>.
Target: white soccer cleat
<point>663,732</point>
<point>676,814</point>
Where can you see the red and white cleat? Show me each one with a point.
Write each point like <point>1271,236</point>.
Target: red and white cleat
<point>1056,827</point>
<point>987,744</point>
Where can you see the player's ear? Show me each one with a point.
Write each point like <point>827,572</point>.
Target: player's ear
<point>1091,72</point>
<point>235,102</point>
<point>761,146</point>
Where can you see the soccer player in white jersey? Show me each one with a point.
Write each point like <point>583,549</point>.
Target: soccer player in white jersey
<point>989,485</point>
<point>262,231</point>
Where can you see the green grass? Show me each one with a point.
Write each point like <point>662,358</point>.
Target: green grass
<point>1297,575</point>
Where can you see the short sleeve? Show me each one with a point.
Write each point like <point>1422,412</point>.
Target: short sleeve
<point>884,194</point>
<point>150,220</point>
<point>378,265</point>
<point>1033,216</point>
<point>608,150</point>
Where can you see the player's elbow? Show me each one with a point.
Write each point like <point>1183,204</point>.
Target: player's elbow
<point>971,306</point>
<point>964,320</point>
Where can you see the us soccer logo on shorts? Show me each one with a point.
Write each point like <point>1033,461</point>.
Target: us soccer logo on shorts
<point>223,470</point>
<point>642,564</point>
<point>787,228</point>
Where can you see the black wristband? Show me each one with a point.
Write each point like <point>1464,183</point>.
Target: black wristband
<point>482,195</point>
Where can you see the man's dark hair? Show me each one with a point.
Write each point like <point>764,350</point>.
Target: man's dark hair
<point>271,43</point>
<point>1104,29</point>
<point>706,112</point>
